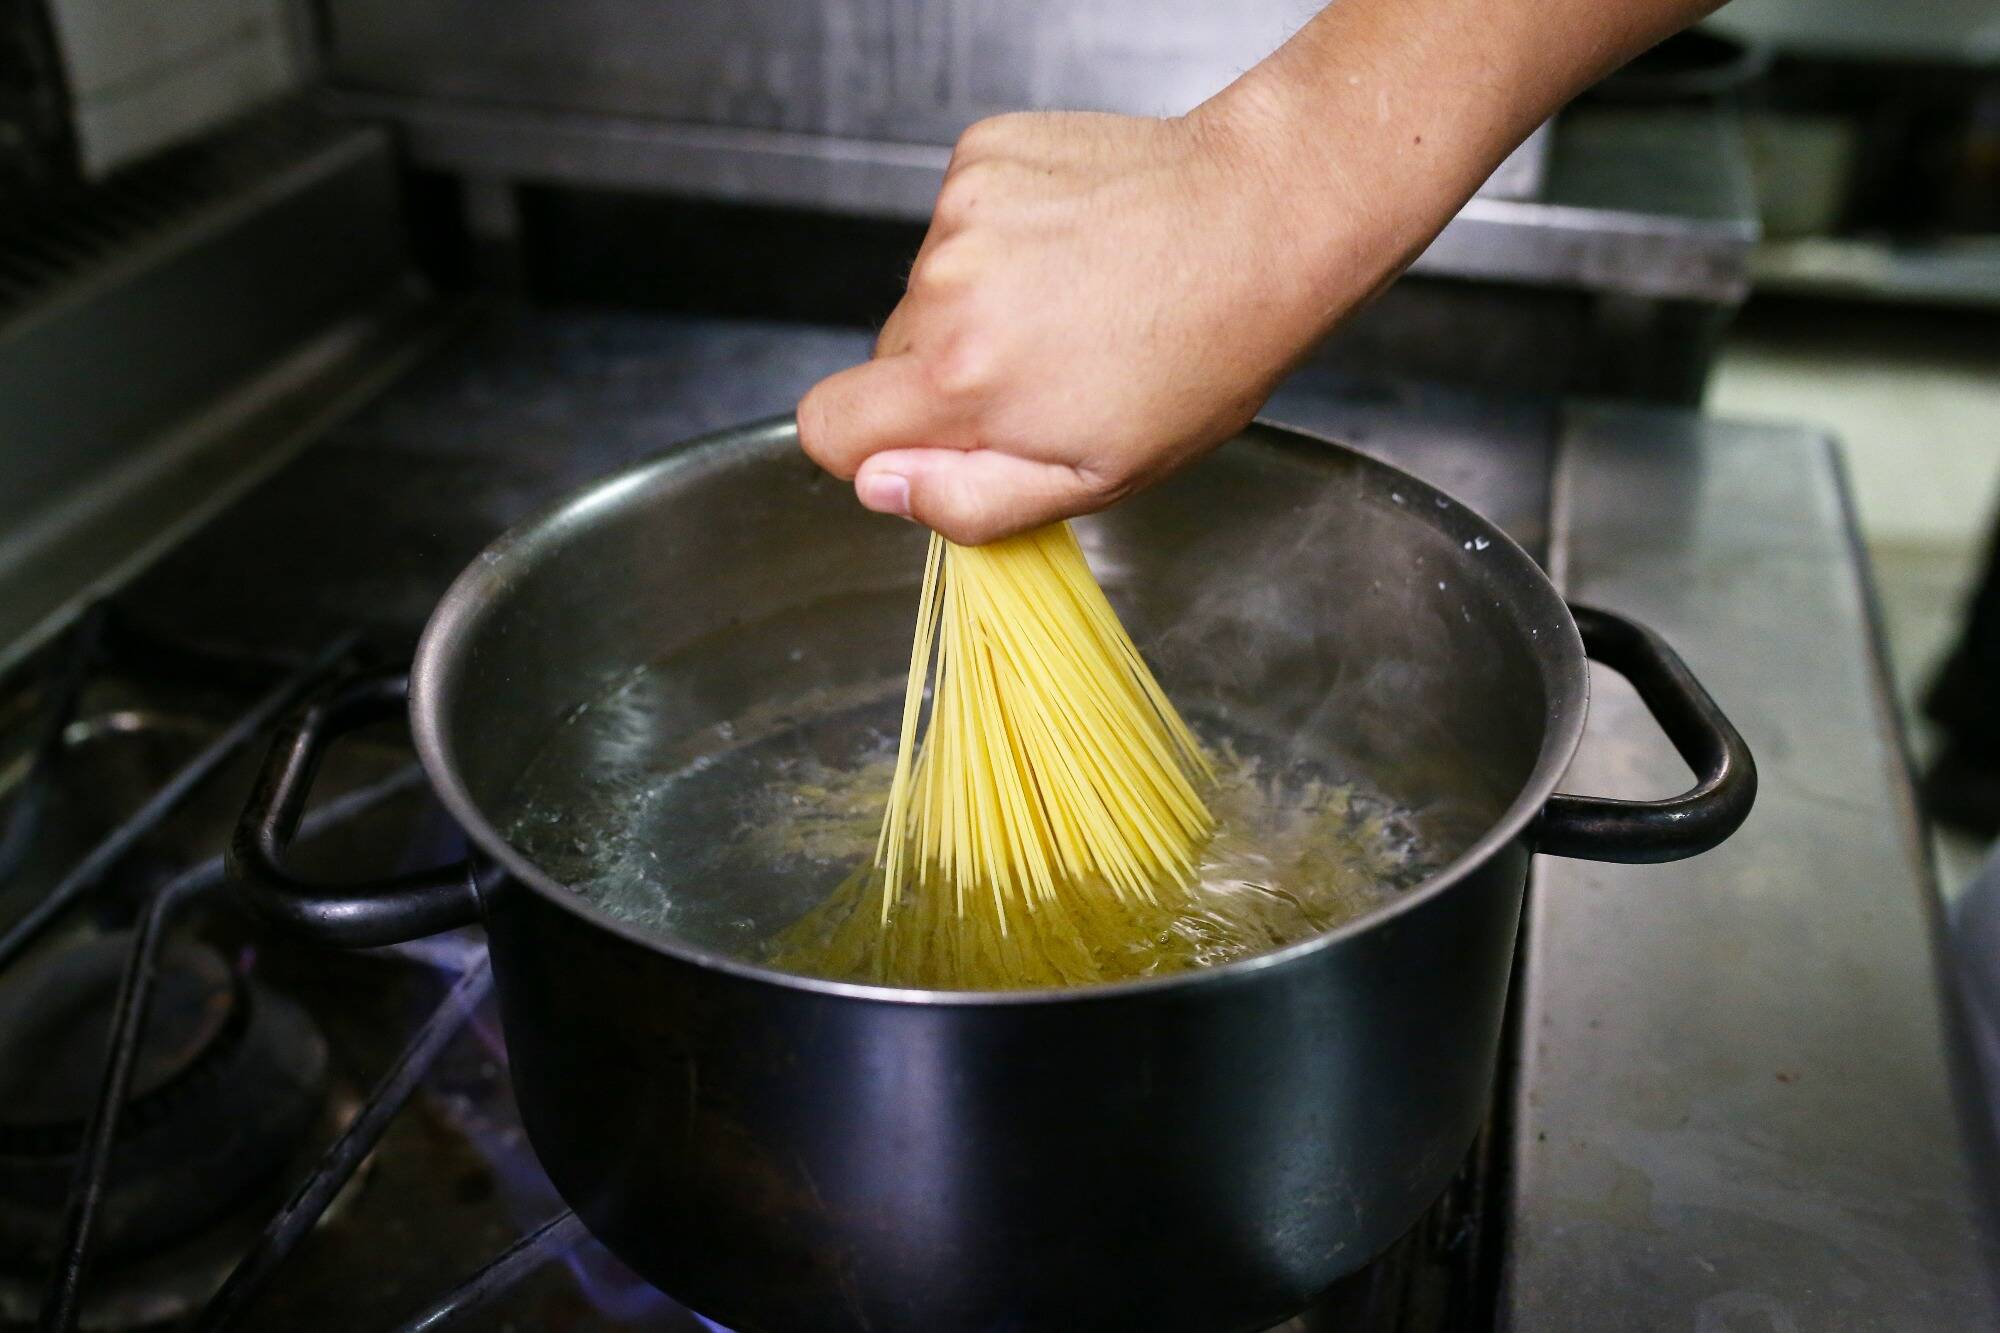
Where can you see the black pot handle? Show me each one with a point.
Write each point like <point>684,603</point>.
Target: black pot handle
<point>1597,828</point>
<point>361,915</point>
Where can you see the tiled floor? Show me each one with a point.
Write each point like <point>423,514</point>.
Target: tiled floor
<point>1915,399</point>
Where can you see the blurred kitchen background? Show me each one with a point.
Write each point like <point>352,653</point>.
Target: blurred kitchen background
<point>303,301</point>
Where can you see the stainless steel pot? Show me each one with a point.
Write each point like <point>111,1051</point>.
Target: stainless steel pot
<point>1202,1152</point>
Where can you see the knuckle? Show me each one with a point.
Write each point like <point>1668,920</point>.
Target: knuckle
<point>980,139</point>
<point>964,367</point>
<point>945,267</point>
<point>959,195</point>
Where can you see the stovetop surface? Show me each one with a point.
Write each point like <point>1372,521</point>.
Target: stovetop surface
<point>361,533</point>
<point>1626,1116</point>
<point>368,526</point>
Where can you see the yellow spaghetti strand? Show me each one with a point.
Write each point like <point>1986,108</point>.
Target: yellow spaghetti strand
<point>1049,811</point>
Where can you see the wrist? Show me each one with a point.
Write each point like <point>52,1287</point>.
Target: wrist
<point>1339,228</point>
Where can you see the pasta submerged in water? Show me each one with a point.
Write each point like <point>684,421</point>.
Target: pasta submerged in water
<point>1042,836</point>
<point>1050,818</point>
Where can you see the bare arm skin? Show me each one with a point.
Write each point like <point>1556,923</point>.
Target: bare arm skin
<point>1100,299</point>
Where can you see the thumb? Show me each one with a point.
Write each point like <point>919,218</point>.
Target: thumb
<point>972,496</point>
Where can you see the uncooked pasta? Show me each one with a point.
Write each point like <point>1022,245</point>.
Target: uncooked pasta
<point>1053,806</point>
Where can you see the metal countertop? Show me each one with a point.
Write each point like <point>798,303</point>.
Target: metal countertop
<point>1739,1103</point>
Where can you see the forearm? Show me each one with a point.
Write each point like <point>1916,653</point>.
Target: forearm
<point>1388,114</point>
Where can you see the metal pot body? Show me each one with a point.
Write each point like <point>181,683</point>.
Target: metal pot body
<point>1204,1158</point>
<point>1203,1152</point>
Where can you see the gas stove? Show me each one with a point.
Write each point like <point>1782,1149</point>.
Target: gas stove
<point>209,1124</point>
<point>1731,1096</point>
<point>206,1123</point>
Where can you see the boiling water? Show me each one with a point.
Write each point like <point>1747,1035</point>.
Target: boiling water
<point>730,838</point>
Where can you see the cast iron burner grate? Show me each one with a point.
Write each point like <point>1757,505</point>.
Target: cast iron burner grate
<point>179,1031</point>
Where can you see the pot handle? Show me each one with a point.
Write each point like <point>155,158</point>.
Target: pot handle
<point>1599,828</point>
<point>359,915</point>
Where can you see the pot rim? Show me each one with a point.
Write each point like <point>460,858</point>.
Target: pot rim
<point>1557,646</point>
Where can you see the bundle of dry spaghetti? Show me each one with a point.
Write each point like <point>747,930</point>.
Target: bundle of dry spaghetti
<point>1052,818</point>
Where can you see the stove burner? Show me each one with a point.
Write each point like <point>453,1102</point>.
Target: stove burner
<point>229,1082</point>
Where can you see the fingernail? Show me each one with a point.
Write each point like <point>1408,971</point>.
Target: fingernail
<point>885,493</point>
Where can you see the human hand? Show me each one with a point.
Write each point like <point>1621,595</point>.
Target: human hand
<point>1099,300</point>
